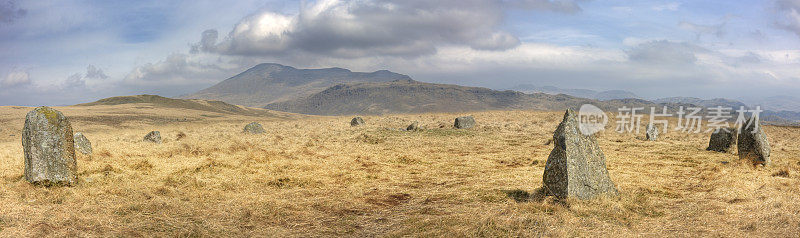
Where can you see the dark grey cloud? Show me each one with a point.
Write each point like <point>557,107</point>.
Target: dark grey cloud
<point>352,29</point>
<point>788,15</point>
<point>665,52</point>
<point>9,12</point>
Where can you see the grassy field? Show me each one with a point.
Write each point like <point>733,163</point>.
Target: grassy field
<point>317,176</point>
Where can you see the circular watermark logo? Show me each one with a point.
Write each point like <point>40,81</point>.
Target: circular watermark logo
<point>591,119</point>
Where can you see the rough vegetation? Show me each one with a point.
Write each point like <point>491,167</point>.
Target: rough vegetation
<point>317,176</point>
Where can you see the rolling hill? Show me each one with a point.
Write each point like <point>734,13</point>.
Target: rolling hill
<point>193,104</point>
<point>268,83</point>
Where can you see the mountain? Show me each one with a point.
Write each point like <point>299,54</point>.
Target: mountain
<point>778,103</point>
<point>704,103</point>
<point>409,96</point>
<point>267,83</point>
<point>614,94</point>
<point>194,104</point>
<point>582,93</point>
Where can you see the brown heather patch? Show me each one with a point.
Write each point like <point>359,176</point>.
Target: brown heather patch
<point>317,176</point>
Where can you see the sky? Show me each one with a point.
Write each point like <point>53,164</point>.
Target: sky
<point>66,52</point>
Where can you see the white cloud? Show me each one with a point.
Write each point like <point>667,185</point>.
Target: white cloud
<point>347,29</point>
<point>673,6</point>
<point>15,79</point>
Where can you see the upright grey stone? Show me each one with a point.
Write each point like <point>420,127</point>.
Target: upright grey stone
<point>82,144</point>
<point>723,140</point>
<point>464,122</point>
<point>752,144</point>
<point>357,121</point>
<point>651,132</point>
<point>154,137</point>
<point>576,166</point>
<point>413,127</point>
<point>49,148</point>
<point>254,128</point>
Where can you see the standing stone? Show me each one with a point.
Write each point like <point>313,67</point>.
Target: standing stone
<point>464,122</point>
<point>82,144</point>
<point>154,137</point>
<point>723,140</point>
<point>652,132</point>
<point>49,148</point>
<point>254,128</point>
<point>576,166</point>
<point>753,144</point>
<point>413,127</point>
<point>357,121</point>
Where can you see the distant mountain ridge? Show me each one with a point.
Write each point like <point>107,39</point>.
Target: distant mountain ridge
<point>582,93</point>
<point>409,96</point>
<point>704,103</point>
<point>267,83</point>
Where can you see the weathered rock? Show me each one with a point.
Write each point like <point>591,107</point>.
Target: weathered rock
<point>357,121</point>
<point>651,132</point>
<point>254,128</point>
<point>576,166</point>
<point>413,127</point>
<point>153,136</point>
<point>47,141</point>
<point>464,122</point>
<point>82,144</point>
<point>752,143</point>
<point>723,140</point>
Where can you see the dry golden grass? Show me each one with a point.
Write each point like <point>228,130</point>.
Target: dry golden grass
<point>317,176</point>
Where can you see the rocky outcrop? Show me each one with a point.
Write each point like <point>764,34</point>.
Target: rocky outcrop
<point>576,167</point>
<point>82,144</point>
<point>652,132</point>
<point>357,121</point>
<point>153,136</point>
<point>723,140</point>
<point>254,128</point>
<point>464,122</point>
<point>752,143</point>
<point>47,141</point>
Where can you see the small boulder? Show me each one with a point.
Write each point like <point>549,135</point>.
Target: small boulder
<point>752,143</point>
<point>47,141</point>
<point>254,128</point>
<point>651,132</point>
<point>154,137</point>
<point>82,144</point>
<point>357,121</point>
<point>576,166</point>
<point>413,127</point>
<point>464,122</point>
<point>723,140</point>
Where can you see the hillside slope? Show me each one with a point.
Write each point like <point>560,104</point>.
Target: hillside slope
<point>194,104</point>
<point>268,83</point>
